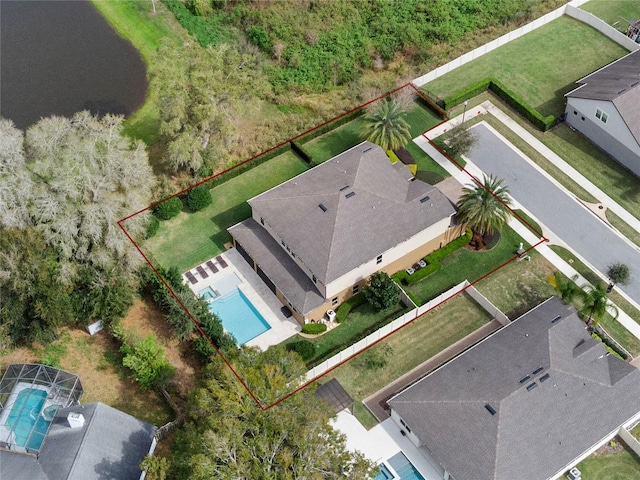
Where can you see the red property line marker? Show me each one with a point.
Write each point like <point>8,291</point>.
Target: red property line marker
<point>199,327</point>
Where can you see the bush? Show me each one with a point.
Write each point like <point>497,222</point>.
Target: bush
<point>147,362</point>
<point>612,347</point>
<point>198,198</point>
<point>168,208</point>
<point>314,328</point>
<point>152,226</point>
<point>348,305</point>
<point>304,348</point>
<point>381,291</point>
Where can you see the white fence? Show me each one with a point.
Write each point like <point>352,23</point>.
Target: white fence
<point>403,320</point>
<point>571,9</point>
<point>630,440</point>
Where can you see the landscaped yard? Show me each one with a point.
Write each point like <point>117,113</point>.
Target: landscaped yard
<point>406,349</point>
<point>541,66</point>
<point>192,238</point>
<point>622,465</point>
<point>612,11</point>
<point>467,264</point>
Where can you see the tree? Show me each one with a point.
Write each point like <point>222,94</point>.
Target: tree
<point>386,126</point>
<point>619,273</point>
<point>146,359</point>
<point>168,208</point>
<point>198,198</point>
<point>595,304</point>
<point>484,207</point>
<point>567,288</point>
<point>226,436</point>
<point>156,467</point>
<point>381,291</point>
<point>460,140</point>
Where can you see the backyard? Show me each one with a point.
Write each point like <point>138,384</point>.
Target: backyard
<point>406,349</point>
<point>623,464</point>
<point>540,66</point>
<point>614,11</point>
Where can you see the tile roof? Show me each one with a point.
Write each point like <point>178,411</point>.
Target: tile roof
<point>525,402</point>
<point>346,211</point>
<point>619,83</point>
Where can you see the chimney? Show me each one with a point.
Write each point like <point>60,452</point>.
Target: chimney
<point>76,420</point>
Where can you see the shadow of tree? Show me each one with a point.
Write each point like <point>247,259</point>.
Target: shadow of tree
<point>133,451</point>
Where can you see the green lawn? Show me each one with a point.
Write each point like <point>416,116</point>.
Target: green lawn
<point>134,21</point>
<point>362,319</point>
<point>408,348</point>
<point>337,141</point>
<point>611,10</point>
<point>623,465</point>
<point>466,264</point>
<point>540,66</point>
<point>192,238</point>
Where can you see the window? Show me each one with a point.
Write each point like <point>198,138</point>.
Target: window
<point>356,289</point>
<point>600,115</point>
<point>334,302</point>
<point>379,259</point>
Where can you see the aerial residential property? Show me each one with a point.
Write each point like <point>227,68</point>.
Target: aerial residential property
<point>317,238</point>
<point>606,108</point>
<point>528,402</point>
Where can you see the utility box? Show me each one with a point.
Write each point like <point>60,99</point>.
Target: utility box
<point>574,474</point>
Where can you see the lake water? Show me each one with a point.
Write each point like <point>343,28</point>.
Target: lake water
<point>60,57</point>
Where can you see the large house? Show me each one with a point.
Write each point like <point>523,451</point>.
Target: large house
<point>317,238</point>
<point>606,109</point>
<point>528,402</point>
<point>45,434</point>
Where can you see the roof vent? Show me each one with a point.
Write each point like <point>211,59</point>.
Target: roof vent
<point>322,207</point>
<point>544,377</point>
<point>490,409</point>
<point>557,319</point>
<point>538,370</point>
<point>76,420</point>
<point>531,386</point>
<point>424,199</point>
<point>621,91</point>
<point>634,84</point>
<point>350,194</point>
<point>366,150</point>
<point>344,188</point>
<point>524,379</point>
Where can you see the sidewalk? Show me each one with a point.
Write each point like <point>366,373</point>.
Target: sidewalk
<point>470,169</point>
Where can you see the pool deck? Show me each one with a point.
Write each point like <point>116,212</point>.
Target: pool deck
<point>254,289</point>
<point>382,442</point>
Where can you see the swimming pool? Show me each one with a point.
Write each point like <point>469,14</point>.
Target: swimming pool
<point>384,473</point>
<point>404,468</point>
<point>28,426</point>
<point>208,294</point>
<point>239,317</point>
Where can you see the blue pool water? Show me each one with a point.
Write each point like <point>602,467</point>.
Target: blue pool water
<point>239,317</point>
<point>208,294</point>
<point>28,425</point>
<point>404,468</point>
<point>384,474</point>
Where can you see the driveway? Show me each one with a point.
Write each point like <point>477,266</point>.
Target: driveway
<point>589,236</point>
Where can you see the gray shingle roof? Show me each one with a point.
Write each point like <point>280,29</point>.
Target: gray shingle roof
<point>367,208</point>
<point>619,83</point>
<point>281,269</point>
<point>539,426</point>
<point>110,446</point>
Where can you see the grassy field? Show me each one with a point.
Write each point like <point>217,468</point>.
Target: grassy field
<point>408,348</point>
<point>540,66</point>
<point>135,21</point>
<point>622,465</point>
<point>466,264</point>
<point>611,11</point>
<point>192,238</point>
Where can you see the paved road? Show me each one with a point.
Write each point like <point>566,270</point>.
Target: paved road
<point>564,216</point>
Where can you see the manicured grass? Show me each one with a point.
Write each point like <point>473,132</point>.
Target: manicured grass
<point>636,431</point>
<point>361,319</point>
<point>623,227</point>
<point>611,10</point>
<point>134,21</point>
<point>467,264</point>
<point>623,465</point>
<point>407,348</point>
<point>192,238</point>
<point>532,224</point>
<point>540,66</point>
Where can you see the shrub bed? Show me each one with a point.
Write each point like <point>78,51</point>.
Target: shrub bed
<point>314,328</point>
<point>611,346</point>
<point>168,209</point>
<point>304,348</point>
<point>198,198</point>
<point>348,305</point>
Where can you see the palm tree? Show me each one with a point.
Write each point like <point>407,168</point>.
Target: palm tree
<point>567,287</point>
<point>386,126</point>
<point>484,207</point>
<point>595,304</point>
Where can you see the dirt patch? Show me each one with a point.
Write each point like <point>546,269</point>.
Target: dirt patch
<point>615,445</point>
<point>144,319</point>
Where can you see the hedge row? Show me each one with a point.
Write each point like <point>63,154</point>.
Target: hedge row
<point>515,101</point>
<point>348,305</point>
<point>611,345</point>
<point>433,261</point>
<point>314,328</point>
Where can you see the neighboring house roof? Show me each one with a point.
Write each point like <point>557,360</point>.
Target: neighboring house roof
<point>109,446</point>
<point>347,210</point>
<point>554,393</point>
<point>277,265</point>
<point>619,83</point>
